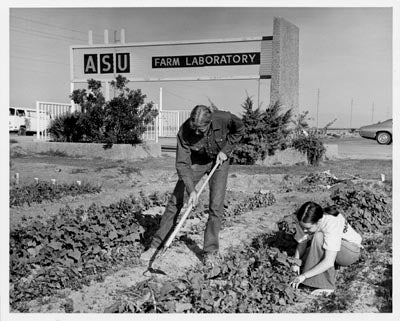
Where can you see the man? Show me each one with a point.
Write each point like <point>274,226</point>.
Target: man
<point>205,138</point>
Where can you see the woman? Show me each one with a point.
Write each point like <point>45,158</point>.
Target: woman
<point>325,240</point>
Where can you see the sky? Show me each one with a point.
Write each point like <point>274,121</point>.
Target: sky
<point>345,55</point>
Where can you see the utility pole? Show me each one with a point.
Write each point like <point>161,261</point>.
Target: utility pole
<point>317,106</point>
<point>372,112</point>
<point>116,40</point>
<point>351,114</point>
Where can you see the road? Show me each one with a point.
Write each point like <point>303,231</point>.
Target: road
<point>348,148</point>
<point>361,148</point>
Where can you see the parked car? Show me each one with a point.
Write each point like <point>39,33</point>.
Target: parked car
<point>382,132</point>
<point>24,120</point>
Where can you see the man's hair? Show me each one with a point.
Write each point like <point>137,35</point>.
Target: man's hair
<point>200,116</point>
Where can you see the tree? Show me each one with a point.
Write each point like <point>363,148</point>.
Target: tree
<point>91,118</point>
<point>276,127</point>
<point>126,115</point>
<point>121,120</point>
<point>253,145</point>
<point>265,132</point>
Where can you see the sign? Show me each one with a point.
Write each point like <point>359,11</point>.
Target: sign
<point>104,63</point>
<point>231,59</point>
<point>249,58</point>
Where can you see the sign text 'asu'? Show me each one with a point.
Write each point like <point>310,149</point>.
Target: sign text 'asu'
<point>106,63</point>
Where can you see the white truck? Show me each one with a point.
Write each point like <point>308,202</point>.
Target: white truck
<point>24,120</point>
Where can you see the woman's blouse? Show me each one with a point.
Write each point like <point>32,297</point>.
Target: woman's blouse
<point>334,229</point>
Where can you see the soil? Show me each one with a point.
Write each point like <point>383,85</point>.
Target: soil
<point>121,179</point>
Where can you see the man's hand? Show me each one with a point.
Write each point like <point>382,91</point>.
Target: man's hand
<point>192,199</point>
<point>221,157</point>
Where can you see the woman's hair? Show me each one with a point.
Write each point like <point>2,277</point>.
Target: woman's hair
<point>311,212</point>
<point>200,116</point>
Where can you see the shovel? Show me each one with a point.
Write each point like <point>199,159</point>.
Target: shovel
<point>187,212</point>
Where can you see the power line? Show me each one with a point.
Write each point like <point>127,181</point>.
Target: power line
<point>47,61</point>
<point>184,85</point>
<point>36,51</point>
<point>180,96</point>
<point>45,34</point>
<point>51,25</point>
<point>54,72</point>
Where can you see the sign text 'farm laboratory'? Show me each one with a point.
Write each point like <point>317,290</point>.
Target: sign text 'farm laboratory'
<point>231,59</point>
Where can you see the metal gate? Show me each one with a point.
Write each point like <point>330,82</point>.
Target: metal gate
<point>170,121</point>
<point>52,110</point>
<point>166,124</point>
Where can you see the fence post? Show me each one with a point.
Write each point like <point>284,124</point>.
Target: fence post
<point>160,120</point>
<point>44,122</point>
<point>156,121</point>
<point>37,120</point>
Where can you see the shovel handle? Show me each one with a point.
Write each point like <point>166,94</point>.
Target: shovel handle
<point>188,210</point>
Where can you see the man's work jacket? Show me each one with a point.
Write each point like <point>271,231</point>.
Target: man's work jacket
<point>225,131</point>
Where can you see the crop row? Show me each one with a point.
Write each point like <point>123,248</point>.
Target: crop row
<point>365,210</point>
<point>45,191</point>
<point>253,279</point>
<point>77,246</point>
<point>250,279</point>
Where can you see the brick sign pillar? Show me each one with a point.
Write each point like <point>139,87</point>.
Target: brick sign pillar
<point>285,65</point>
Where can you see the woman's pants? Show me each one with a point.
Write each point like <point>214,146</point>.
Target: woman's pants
<point>348,254</point>
<point>217,184</point>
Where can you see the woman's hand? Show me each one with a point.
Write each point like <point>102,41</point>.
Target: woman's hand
<point>295,268</point>
<point>299,279</point>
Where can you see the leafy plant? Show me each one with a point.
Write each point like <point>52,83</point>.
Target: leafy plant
<point>64,128</point>
<point>254,279</point>
<point>77,246</point>
<point>301,126</point>
<point>53,153</point>
<point>276,126</point>
<point>233,208</point>
<point>249,203</point>
<point>91,120</point>
<point>126,115</point>
<point>122,120</point>
<point>365,210</point>
<point>265,132</point>
<point>253,144</point>
<point>316,181</point>
<point>312,146</point>
<point>44,191</point>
